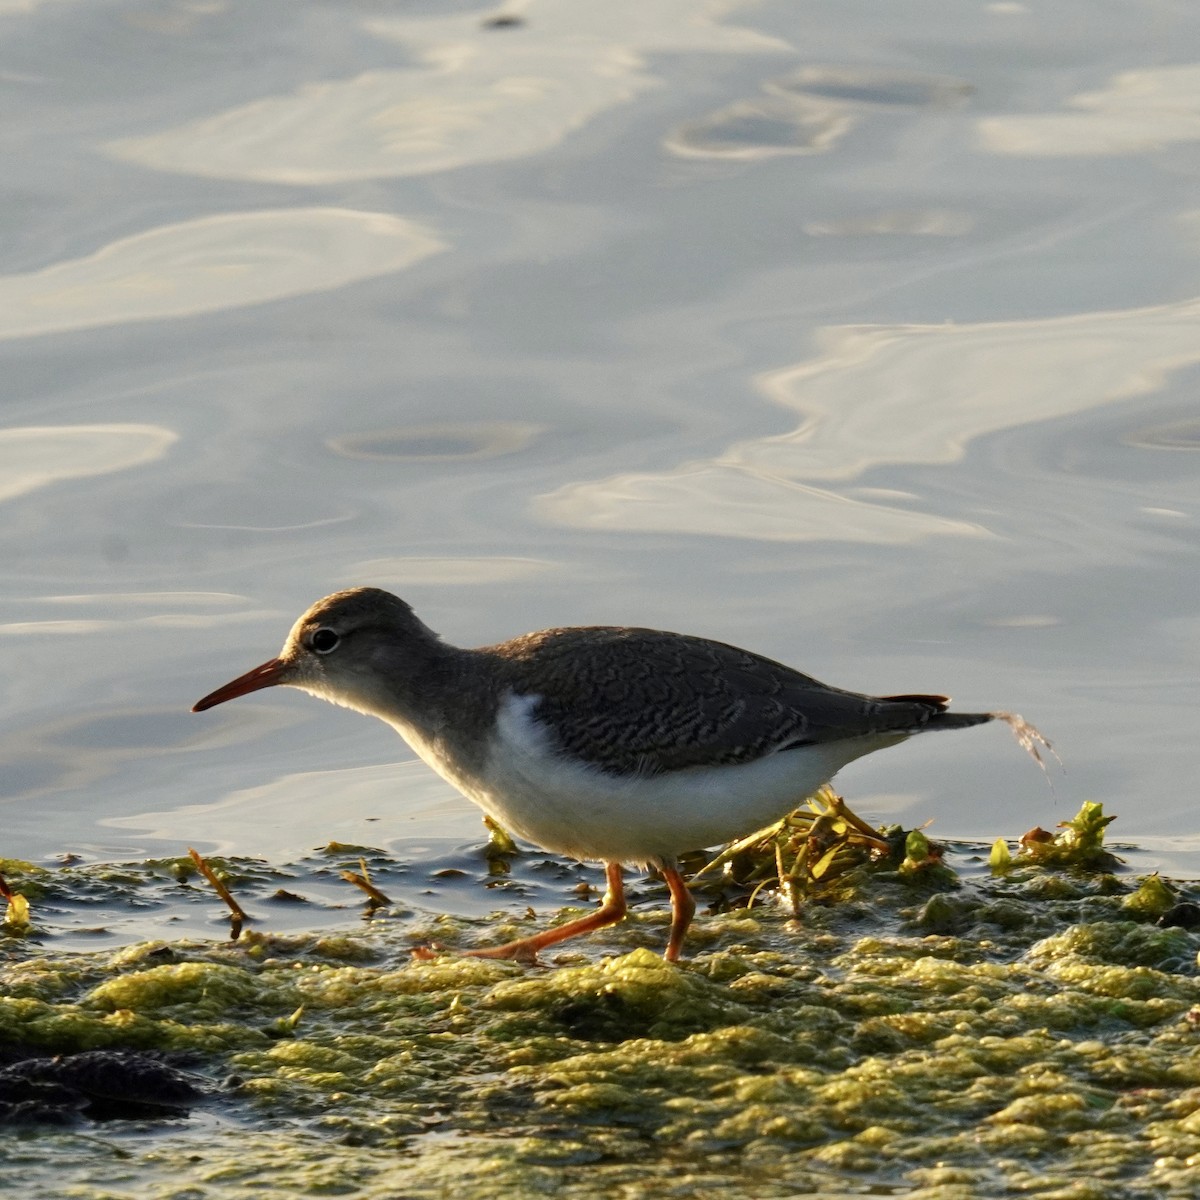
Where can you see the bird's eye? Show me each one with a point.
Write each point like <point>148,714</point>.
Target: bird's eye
<point>324,640</point>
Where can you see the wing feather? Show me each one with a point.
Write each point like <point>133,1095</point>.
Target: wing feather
<point>644,701</point>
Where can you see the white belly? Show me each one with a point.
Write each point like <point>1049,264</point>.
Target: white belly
<point>562,806</point>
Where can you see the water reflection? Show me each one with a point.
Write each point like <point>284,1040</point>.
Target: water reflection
<point>467,97</point>
<point>762,128</point>
<point>875,86</point>
<point>1138,111</point>
<point>33,457</point>
<point>901,503</point>
<point>251,509</point>
<point>211,263</point>
<point>460,442</point>
<point>403,572</point>
<point>50,623</point>
<point>808,112</point>
<point>725,499</point>
<point>373,805</point>
<point>77,753</point>
<point>1176,435</point>
<point>926,222</point>
<point>887,397</point>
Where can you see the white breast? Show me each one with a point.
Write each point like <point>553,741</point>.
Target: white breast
<point>537,793</point>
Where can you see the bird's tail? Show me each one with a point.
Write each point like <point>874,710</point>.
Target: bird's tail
<point>1028,736</point>
<point>957,720</point>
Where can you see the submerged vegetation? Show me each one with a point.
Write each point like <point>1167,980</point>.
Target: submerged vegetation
<point>855,1015</point>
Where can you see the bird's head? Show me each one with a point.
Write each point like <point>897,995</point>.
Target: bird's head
<point>347,648</point>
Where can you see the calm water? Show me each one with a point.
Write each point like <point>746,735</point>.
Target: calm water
<point>862,335</point>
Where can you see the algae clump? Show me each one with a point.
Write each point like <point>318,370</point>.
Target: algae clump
<point>1026,1032</point>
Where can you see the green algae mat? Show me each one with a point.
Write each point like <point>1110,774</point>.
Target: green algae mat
<point>1027,1027</point>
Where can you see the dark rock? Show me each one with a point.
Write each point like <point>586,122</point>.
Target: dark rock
<point>100,1085</point>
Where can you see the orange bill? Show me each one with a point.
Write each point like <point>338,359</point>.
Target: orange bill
<point>267,675</point>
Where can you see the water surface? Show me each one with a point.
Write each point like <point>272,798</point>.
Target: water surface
<point>864,337</point>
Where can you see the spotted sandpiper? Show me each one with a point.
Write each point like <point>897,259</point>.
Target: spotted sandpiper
<point>606,743</point>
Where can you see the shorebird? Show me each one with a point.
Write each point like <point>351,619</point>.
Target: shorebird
<point>604,743</point>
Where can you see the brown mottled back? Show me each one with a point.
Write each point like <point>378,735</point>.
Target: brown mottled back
<point>644,701</point>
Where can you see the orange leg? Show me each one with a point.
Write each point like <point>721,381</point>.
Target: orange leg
<point>683,908</point>
<point>610,912</point>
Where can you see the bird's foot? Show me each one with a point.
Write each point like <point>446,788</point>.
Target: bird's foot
<point>522,952</point>
<point>427,953</point>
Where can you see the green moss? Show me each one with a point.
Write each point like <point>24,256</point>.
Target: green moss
<point>202,989</point>
<point>1152,898</point>
<point>1024,1034</point>
<point>1121,942</point>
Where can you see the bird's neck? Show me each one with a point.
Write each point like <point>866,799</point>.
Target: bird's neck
<point>427,688</point>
